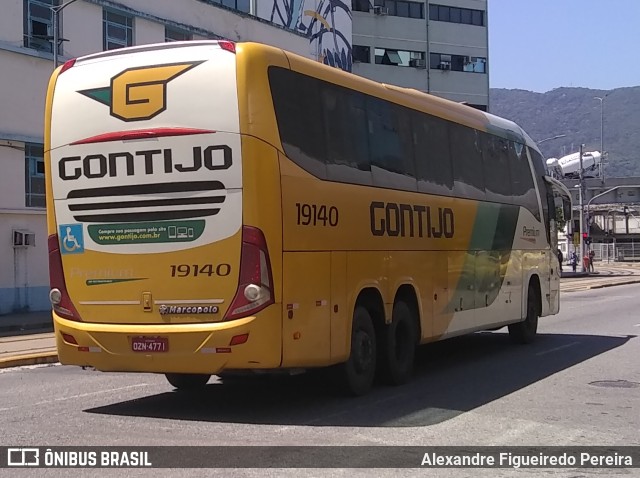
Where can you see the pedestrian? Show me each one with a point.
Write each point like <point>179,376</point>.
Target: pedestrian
<point>592,254</point>
<point>560,258</point>
<point>573,260</point>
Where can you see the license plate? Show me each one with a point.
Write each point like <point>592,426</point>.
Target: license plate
<point>150,344</point>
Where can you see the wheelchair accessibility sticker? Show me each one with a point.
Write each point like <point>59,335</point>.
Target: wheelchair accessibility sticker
<point>71,239</point>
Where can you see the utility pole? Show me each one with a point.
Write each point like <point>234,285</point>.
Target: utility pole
<point>601,99</point>
<point>581,197</point>
<point>55,10</point>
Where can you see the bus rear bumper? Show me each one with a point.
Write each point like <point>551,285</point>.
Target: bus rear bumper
<point>180,348</point>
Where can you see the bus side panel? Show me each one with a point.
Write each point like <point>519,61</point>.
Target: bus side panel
<point>415,268</point>
<point>366,270</point>
<point>554,284</point>
<point>461,268</point>
<point>306,298</point>
<point>257,117</point>
<point>340,314</point>
<point>441,284</point>
<point>261,199</point>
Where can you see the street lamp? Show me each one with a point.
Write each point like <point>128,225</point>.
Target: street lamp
<point>55,9</point>
<point>601,99</point>
<point>549,139</point>
<point>582,191</point>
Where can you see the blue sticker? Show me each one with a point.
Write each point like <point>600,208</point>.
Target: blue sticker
<point>71,239</point>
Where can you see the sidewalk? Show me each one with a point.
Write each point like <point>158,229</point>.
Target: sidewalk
<point>27,338</point>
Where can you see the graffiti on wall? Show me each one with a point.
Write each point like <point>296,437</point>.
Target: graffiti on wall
<point>327,24</point>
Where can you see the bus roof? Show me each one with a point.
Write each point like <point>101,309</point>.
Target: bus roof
<point>409,97</point>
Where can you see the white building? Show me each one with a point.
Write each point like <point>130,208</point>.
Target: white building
<point>436,46</point>
<point>318,29</point>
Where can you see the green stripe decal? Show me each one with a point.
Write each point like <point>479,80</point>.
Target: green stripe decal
<point>485,264</point>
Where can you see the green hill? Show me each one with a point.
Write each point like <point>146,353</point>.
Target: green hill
<point>575,113</point>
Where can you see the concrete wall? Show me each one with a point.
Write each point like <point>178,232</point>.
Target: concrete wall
<point>326,24</point>
<point>426,36</point>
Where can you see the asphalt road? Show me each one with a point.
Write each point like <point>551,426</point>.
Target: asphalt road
<point>579,384</point>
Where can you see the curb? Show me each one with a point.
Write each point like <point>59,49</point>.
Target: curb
<point>44,327</point>
<point>602,286</point>
<point>29,359</point>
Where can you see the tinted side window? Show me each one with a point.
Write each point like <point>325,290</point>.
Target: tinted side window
<point>495,158</point>
<point>467,162</point>
<point>344,116</point>
<point>391,147</point>
<point>298,108</point>
<point>432,156</point>
<point>523,189</point>
<point>538,173</point>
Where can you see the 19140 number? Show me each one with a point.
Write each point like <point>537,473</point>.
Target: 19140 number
<point>186,270</point>
<point>316,215</point>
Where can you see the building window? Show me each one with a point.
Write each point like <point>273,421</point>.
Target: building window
<point>34,175</point>
<point>404,9</point>
<point>362,53</point>
<point>470,64</point>
<point>117,30</point>
<point>386,56</point>
<point>172,34</point>
<point>38,24</point>
<point>240,5</point>
<point>443,13</point>
<point>360,5</point>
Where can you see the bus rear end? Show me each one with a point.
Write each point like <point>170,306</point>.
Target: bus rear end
<point>151,266</point>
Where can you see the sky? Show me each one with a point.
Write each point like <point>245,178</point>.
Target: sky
<point>539,45</point>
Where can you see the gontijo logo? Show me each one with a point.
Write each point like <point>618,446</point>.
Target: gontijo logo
<point>140,93</point>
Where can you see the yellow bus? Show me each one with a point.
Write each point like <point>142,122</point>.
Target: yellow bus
<point>218,207</point>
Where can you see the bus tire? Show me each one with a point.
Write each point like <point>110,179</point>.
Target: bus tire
<point>398,346</point>
<point>358,372</point>
<point>187,381</point>
<point>525,332</point>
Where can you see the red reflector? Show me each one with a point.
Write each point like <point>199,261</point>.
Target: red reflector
<point>83,349</point>
<point>70,339</point>
<point>239,339</point>
<point>65,307</point>
<point>67,65</point>
<point>223,350</point>
<point>227,45</point>
<point>141,134</point>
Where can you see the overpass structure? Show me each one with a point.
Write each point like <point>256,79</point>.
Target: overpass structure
<point>612,214</point>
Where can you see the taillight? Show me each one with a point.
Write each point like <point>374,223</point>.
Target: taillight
<point>227,45</point>
<point>58,294</point>
<point>68,64</point>
<point>255,284</point>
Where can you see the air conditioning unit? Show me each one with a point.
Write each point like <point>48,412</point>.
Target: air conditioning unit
<point>444,65</point>
<point>418,63</point>
<point>23,238</point>
<point>378,10</point>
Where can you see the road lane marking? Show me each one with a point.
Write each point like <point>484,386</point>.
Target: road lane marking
<point>558,348</point>
<point>28,367</point>
<point>88,394</point>
<point>59,399</point>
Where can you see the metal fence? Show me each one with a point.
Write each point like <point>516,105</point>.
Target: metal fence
<point>626,251</point>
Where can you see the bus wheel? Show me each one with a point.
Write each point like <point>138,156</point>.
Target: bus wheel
<point>399,346</point>
<point>358,372</point>
<point>187,381</point>
<point>525,332</point>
